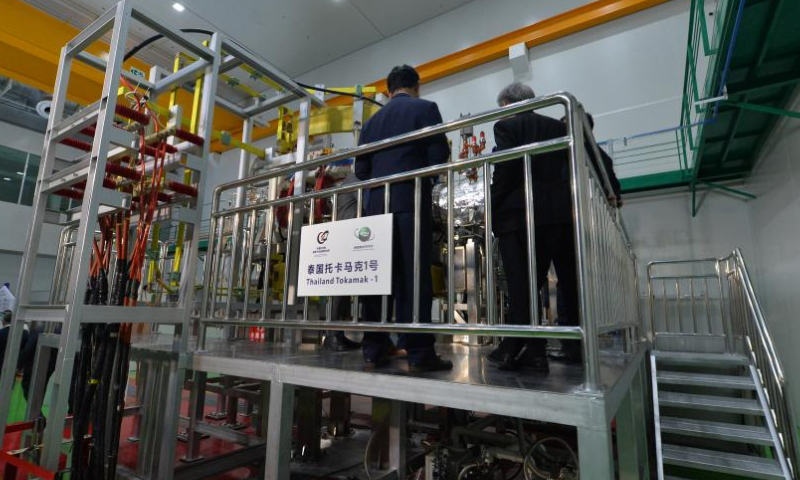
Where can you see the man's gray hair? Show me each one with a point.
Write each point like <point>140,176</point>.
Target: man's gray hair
<point>516,92</point>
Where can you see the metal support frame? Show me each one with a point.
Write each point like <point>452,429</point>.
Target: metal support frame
<point>594,220</point>
<point>67,308</point>
<point>728,320</point>
<point>711,186</point>
<point>279,430</point>
<point>763,109</point>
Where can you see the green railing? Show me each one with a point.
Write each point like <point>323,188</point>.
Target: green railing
<point>710,32</point>
<point>670,157</point>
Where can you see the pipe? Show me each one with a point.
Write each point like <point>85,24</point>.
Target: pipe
<point>470,120</point>
<point>729,55</point>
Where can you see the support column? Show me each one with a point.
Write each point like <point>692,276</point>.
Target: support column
<point>595,454</point>
<point>640,400</point>
<point>628,441</point>
<point>197,401</point>
<point>340,414</point>
<point>279,431</point>
<point>261,419</point>
<point>309,422</point>
<point>390,416</point>
<point>397,438</point>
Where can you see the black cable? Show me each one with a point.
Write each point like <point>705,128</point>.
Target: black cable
<point>354,95</point>
<point>152,39</point>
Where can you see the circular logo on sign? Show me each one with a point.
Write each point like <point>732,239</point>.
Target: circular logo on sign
<point>322,237</point>
<point>364,234</point>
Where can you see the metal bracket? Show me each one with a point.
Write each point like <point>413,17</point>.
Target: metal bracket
<point>763,109</point>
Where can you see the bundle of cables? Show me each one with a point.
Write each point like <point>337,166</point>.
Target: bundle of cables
<point>101,367</point>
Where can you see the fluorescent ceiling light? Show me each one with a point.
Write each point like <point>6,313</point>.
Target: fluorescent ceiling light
<point>6,179</point>
<point>20,173</point>
<point>177,6</point>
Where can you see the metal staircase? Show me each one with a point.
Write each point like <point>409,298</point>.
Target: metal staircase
<point>719,395</point>
<point>680,416</point>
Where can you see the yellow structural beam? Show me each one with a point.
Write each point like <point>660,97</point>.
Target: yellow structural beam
<point>30,47</point>
<point>31,57</point>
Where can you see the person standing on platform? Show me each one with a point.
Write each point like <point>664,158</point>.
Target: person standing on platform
<point>404,113</point>
<point>571,349</point>
<point>552,215</point>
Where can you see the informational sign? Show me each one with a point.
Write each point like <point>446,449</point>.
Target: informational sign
<point>348,257</point>
<point>136,72</point>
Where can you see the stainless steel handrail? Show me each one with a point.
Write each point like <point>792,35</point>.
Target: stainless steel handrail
<point>560,98</point>
<point>505,155</point>
<point>603,249</point>
<point>745,331</point>
<point>763,354</point>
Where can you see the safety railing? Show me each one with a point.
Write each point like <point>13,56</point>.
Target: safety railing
<point>247,233</point>
<point>712,31</point>
<point>750,326</point>
<point>710,306</point>
<point>687,308</point>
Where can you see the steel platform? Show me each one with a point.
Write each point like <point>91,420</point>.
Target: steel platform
<point>474,384</point>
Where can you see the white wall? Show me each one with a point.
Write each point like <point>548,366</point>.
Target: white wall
<point>15,221</point>
<point>628,72</point>
<point>774,260</point>
<point>662,227</point>
<point>31,142</point>
<point>609,68</point>
<point>20,138</point>
<point>15,218</point>
<point>463,27</point>
<point>42,278</point>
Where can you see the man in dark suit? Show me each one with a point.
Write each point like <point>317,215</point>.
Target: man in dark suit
<point>404,113</point>
<point>553,224</point>
<point>570,349</point>
<point>608,164</point>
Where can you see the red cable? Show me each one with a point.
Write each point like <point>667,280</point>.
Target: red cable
<point>74,143</point>
<point>118,169</point>
<point>182,188</point>
<point>132,114</point>
<point>189,137</point>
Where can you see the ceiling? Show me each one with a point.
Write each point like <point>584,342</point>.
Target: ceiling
<point>295,35</point>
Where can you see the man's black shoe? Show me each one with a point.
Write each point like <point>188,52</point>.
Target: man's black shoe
<point>339,343</point>
<point>534,358</point>
<point>536,363</point>
<point>573,352</point>
<point>379,362</point>
<point>435,364</point>
<point>503,359</point>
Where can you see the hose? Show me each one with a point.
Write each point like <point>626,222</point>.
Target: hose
<point>378,428</point>
<point>529,467</point>
<point>464,471</point>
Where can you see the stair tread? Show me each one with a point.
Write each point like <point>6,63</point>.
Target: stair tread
<point>710,402</point>
<point>700,358</point>
<point>706,380</point>
<point>717,430</point>
<point>721,462</point>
